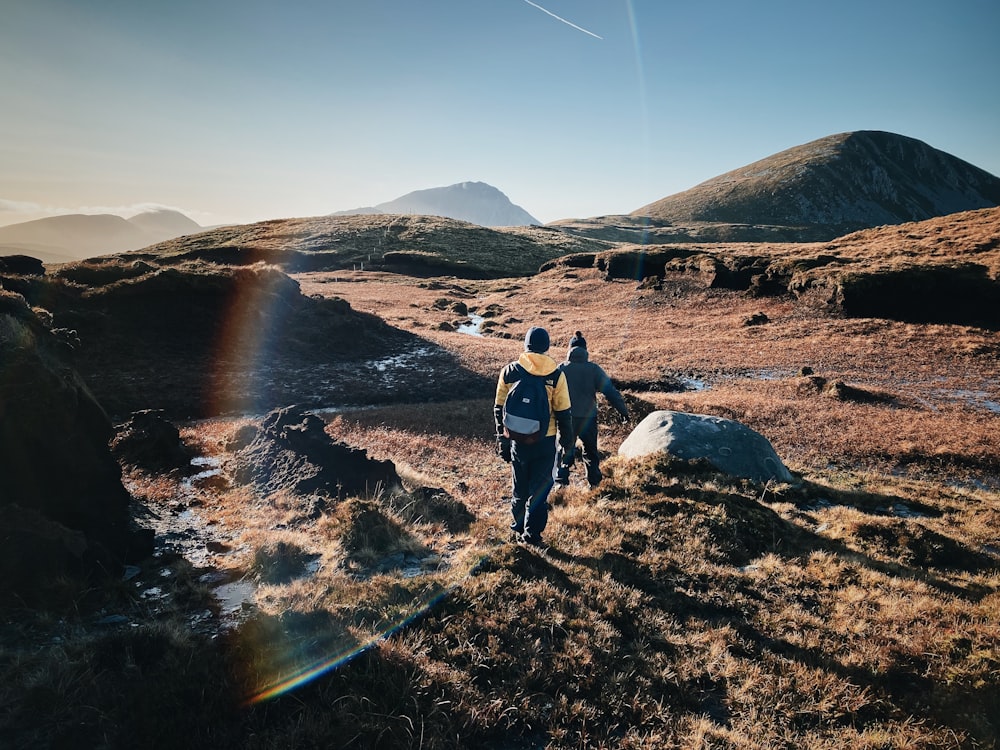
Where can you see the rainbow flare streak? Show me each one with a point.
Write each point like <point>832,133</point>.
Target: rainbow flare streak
<point>318,668</point>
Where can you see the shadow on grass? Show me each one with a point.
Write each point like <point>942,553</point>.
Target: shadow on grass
<point>741,530</point>
<point>893,531</point>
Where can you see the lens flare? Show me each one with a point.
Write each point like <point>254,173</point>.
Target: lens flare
<point>279,685</point>
<point>250,336</point>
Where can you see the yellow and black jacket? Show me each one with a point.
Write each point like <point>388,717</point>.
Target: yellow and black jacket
<point>555,383</point>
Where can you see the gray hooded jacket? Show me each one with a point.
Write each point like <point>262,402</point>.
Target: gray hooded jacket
<point>585,380</point>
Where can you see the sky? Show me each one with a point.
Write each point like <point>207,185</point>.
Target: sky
<point>240,111</point>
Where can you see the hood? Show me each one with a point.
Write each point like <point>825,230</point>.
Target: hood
<point>537,364</point>
<point>577,354</point>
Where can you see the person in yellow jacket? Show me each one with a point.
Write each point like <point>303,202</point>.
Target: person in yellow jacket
<point>532,463</point>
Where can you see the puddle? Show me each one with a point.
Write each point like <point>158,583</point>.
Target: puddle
<point>902,510</point>
<point>214,469</point>
<point>180,530</point>
<point>767,375</point>
<point>474,326</point>
<point>989,483</point>
<point>233,596</point>
<point>817,504</point>
<point>399,361</point>
<point>975,399</point>
<point>387,369</point>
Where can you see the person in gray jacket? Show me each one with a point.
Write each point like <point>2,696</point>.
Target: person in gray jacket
<point>585,380</point>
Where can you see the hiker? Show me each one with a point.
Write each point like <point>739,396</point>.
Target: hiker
<point>531,451</point>
<point>585,379</point>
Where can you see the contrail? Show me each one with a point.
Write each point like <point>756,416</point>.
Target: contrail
<point>560,18</point>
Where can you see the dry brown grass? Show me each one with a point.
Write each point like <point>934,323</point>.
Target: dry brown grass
<point>344,243</point>
<point>934,383</point>
<point>855,608</point>
<point>677,608</point>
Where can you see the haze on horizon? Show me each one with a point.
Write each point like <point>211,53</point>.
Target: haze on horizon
<point>235,112</point>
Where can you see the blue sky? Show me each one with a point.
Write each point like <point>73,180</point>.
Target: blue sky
<point>243,111</point>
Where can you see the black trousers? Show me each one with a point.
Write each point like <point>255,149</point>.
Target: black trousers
<point>585,429</point>
<point>531,475</point>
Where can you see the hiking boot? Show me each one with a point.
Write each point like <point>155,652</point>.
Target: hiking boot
<point>516,532</point>
<point>532,540</point>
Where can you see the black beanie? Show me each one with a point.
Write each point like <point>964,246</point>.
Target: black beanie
<point>536,340</point>
<point>578,340</point>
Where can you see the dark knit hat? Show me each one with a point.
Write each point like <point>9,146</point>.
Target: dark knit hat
<point>578,340</point>
<point>536,340</point>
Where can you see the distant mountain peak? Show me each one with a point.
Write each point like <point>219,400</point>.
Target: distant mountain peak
<point>842,182</point>
<point>474,202</point>
<point>66,237</point>
<point>165,222</point>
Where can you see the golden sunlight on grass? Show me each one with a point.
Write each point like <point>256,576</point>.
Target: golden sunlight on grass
<point>856,606</point>
<point>677,607</point>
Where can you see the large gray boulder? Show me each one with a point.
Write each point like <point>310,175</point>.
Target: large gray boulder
<point>731,447</point>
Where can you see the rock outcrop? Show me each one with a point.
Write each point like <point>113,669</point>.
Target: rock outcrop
<point>149,441</point>
<point>292,452</point>
<point>60,487</point>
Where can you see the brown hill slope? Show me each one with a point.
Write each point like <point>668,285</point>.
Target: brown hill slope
<point>944,270</point>
<point>835,185</point>
<point>675,608</point>
<point>199,339</point>
<point>419,245</point>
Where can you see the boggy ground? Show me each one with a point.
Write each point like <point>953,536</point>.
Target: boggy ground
<point>882,393</point>
<point>857,607</point>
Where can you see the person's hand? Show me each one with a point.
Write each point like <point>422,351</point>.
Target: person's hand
<point>567,457</point>
<point>503,448</point>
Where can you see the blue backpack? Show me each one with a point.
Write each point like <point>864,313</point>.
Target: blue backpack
<point>526,410</point>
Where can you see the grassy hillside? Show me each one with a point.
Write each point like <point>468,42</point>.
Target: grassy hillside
<point>419,245</point>
<point>675,608</point>
<point>856,607</point>
<point>943,270</point>
<point>839,183</point>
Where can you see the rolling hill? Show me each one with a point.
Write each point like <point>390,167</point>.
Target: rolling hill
<point>840,183</point>
<point>60,239</point>
<point>814,192</point>
<point>418,245</point>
